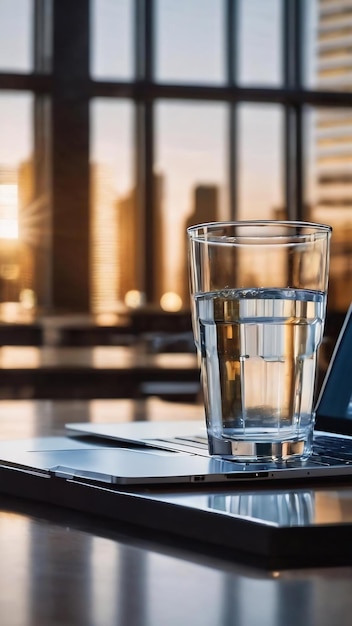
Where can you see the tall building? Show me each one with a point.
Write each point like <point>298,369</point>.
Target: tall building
<point>334,126</point>
<point>128,245</point>
<point>131,244</point>
<point>334,143</point>
<point>34,230</point>
<point>104,232</point>
<point>205,209</point>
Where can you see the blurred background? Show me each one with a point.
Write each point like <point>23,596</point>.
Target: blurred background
<point>124,121</point>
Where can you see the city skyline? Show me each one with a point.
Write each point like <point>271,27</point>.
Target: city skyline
<point>191,138</point>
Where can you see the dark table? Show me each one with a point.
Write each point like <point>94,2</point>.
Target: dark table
<point>55,372</point>
<point>61,568</point>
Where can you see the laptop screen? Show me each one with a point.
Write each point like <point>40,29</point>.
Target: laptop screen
<point>334,406</point>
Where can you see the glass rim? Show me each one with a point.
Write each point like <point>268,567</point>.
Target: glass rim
<point>198,232</point>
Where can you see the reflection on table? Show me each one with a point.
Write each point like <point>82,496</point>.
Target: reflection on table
<point>58,567</point>
<point>96,372</point>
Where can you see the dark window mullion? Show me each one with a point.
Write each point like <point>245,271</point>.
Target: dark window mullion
<point>42,37</point>
<point>299,46</point>
<point>41,159</point>
<point>292,78</point>
<point>232,29</point>
<point>70,157</point>
<point>144,149</point>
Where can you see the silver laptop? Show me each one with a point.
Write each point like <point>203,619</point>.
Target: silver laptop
<point>147,453</point>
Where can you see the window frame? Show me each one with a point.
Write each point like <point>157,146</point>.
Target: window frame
<point>66,81</point>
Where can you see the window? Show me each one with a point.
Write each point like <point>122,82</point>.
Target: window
<point>124,120</point>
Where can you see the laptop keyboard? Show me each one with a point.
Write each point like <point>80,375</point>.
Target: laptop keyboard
<point>327,450</point>
<point>192,442</point>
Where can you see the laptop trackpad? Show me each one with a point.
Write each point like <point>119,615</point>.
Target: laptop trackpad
<point>119,466</point>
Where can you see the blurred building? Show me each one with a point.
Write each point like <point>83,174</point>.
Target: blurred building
<point>131,244</point>
<point>34,231</point>
<point>205,209</point>
<point>104,230</point>
<point>334,143</point>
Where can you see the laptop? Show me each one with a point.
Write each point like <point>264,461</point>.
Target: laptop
<point>148,453</point>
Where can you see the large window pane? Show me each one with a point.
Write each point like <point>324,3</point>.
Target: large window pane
<point>112,45</point>
<point>259,46</point>
<point>328,51</point>
<point>329,192</point>
<point>190,41</point>
<point>113,217</point>
<point>24,207</point>
<point>191,141</point>
<point>260,161</point>
<point>16,28</point>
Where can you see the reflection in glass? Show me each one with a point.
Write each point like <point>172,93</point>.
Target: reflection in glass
<point>191,161</point>
<point>16,32</point>
<point>113,204</point>
<point>190,41</point>
<point>328,53</point>
<point>260,161</point>
<point>111,22</point>
<point>259,42</point>
<point>24,207</point>
<point>329,192</point>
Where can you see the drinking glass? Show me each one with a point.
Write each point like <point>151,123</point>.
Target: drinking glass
<point>258,298</point>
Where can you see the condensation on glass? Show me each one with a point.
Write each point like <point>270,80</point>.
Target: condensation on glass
<point>112,39</point>
<point>259,42</point>
<point>191,165</point>
<point>114,221</point>
<point>328,194</point>
<point>24,206</point>
<point>190,41</point>
<point>260,162</point>
<point>16,33</point>
<point>327,44</point>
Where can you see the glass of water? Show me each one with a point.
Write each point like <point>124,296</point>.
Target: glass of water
<point>258,298</point>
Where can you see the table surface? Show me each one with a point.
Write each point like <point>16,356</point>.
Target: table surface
<point>61,568</point>
<point>98,357</point>
<point>55,372</point>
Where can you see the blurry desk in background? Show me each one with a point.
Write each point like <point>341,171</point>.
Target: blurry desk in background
<point>110,329</point>
<point>59,567</point>
<point>95,372</point>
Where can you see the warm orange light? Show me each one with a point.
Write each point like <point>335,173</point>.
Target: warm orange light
<point>8,211</point>
<point>8,229</point>
<point>170,301</point>
<point>134,299</point>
